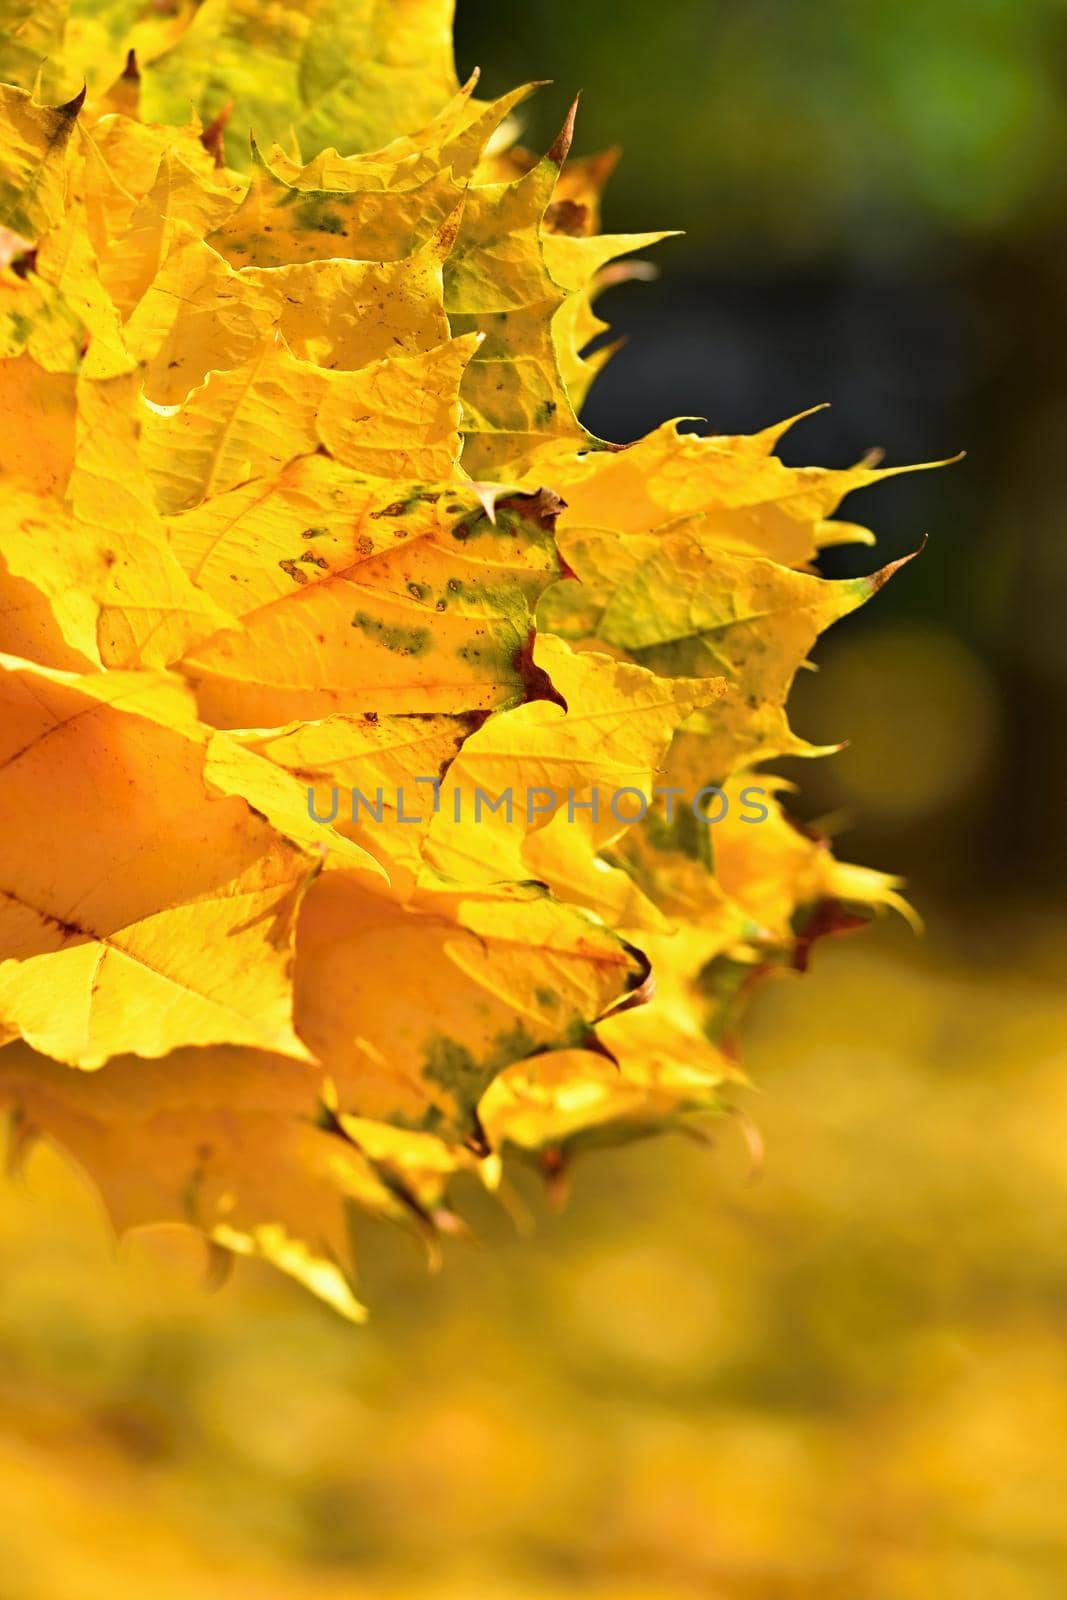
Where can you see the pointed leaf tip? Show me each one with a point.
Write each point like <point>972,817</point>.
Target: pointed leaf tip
<point>562,144</point>
<point>879,579</point>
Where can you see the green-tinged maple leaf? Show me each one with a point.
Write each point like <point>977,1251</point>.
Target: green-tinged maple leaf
<point>345,73</point>
<point>33,147</point>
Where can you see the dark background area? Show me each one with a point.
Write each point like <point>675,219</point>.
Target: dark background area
<point>874,207</point>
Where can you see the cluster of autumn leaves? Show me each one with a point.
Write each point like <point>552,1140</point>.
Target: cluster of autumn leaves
<point>294,496</point>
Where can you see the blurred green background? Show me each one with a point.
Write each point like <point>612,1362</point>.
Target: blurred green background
<point>844,1377</point>
<point>875,215</point>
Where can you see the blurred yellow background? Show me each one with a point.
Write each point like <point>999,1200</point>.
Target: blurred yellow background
<point>844,1377</point>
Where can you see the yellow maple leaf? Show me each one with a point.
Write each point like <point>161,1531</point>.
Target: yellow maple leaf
<point>171,920</point>
<point>379,751</point>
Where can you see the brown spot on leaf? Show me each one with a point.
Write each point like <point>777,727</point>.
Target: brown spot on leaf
<point>536,683</point>
<point>212,138</point>
<point>828,917</point>
<point>17,253</point>
<point>543,507</point>
<point>567,216</point>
